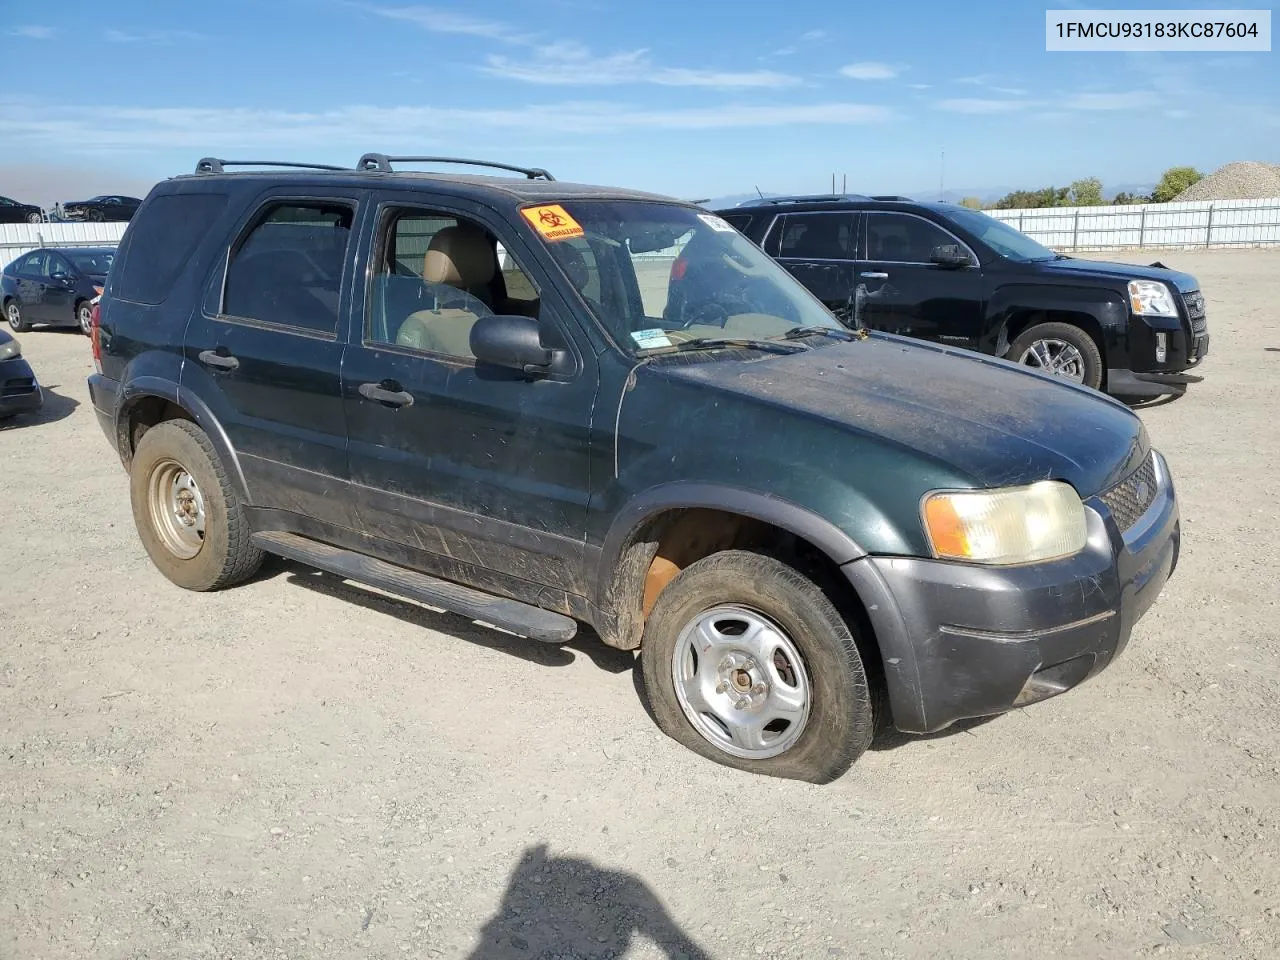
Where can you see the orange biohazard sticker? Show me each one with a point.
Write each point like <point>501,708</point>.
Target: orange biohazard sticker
<point>553,222</point>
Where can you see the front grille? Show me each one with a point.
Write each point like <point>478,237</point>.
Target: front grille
<point>17,387</point>
<point>1129,499</point>
<point>1194,302</point>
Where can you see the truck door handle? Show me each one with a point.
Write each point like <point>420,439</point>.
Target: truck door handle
<point>873,275</point>
<point>388,392</point>
<point>223,361</point>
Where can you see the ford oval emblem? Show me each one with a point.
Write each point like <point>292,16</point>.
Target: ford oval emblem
<point>1142,493</point>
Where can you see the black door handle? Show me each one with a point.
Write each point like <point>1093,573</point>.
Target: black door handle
<point>388,392</point>
<point>212,358</point>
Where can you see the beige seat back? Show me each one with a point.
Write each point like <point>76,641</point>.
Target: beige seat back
<point>460,257</point>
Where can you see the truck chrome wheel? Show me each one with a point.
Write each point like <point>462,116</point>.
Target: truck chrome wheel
<point>1057,357</point>
<point>177,509</point>
<point>741,682</point>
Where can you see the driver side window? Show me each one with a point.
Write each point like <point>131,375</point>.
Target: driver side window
<point>438,275</point>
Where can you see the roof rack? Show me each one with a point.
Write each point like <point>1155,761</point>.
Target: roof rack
<point>813,198</point>
<point>891,196</point>
<point>381,163</point>
<point>214,165</point>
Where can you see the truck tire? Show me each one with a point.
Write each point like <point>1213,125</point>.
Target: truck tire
<point>749,664</point>
<point>188,515</point>
<point>1060,349</point>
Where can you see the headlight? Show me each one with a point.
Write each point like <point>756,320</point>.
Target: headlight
<point>1042,521</point>
<point>1151,298</point>
<point>10,350</point>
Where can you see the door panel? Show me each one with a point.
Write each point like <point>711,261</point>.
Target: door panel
<point>900,291</point>
<point>59,295</point>
<point>32,279</point>
<point>818,250</point>
<point>266,352</point>
<point>485,466</point>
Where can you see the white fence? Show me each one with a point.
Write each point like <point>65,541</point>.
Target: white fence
<point>1193,223</point>
<point>19,238</point>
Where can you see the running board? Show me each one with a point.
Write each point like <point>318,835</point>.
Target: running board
<point>509,615</point>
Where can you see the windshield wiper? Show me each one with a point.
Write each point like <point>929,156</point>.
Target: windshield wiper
<point>720,343</point>
<point>836,333</point>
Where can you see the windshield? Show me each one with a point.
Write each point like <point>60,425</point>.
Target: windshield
<point>1001,237</point>
<point>97,262</point>
<point>656,274</point>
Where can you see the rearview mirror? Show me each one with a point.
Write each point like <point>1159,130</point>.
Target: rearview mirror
<point>515,342</point>
<point>950,255</point>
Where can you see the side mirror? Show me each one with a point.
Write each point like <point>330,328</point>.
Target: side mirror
<point>950,255</point>
<point>59,276</point>
<point>514,342</point>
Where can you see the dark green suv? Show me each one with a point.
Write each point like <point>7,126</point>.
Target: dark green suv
<point>476,391</point>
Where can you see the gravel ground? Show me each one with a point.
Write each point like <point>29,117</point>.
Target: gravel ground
<point>303,768</point>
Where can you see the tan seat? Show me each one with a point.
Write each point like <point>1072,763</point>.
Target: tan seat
<point>460,260</point>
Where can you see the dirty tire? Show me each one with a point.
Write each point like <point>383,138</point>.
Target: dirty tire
<point>227,555</point>
<point>1068,333</point>
<point>841,720</point>
<point>13,313</point>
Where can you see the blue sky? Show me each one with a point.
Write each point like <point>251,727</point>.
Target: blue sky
<point>688,97</point>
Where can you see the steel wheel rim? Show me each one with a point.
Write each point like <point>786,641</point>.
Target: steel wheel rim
<point>86,318</point>
<point>14,314</point>
<point>741,682</point>
<point>177,509</point>
<point>1057,357</point>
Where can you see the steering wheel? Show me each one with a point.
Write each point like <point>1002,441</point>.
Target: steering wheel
<point>716,310</point>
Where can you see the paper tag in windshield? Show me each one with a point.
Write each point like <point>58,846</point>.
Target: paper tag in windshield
<point>649,339</point>
<point>553,222</point>
<point>715,223</point>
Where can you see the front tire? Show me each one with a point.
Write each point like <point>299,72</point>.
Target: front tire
<point>34,218</point>
<point>84,317</point>
<point>186,510</point>
<point>13,313</point>
<point>749,664</point>
<point>1062,350</point>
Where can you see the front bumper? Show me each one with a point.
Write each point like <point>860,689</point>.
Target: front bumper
<point>964,640</point>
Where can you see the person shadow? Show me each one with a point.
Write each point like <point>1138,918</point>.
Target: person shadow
<point>555,906</point>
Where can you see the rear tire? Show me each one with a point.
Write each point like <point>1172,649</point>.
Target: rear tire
<point>34,218</point>
<point>13,313</point>
<point>188,515</point>
<point>1077,355</point>
<point>718,691</point>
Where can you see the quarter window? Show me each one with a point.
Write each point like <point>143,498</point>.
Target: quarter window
<point>288,270</point>
<point>897,238</point>
<point>817,236</point>
<point>440,274</point>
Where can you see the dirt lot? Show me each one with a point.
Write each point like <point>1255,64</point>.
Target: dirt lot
<point>302,768</point>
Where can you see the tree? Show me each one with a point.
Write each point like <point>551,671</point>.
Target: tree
<point>1031,199</point>
<point>973,203</point>
<point>1173,181</point>
<point>1086,192</point>
<point>1123,198</point>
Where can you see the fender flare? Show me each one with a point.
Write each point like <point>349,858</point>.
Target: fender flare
<point>141,388</point>
<point>1098,305</point>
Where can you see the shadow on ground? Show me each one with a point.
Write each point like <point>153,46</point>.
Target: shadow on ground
<point>56,407</point>
<point>1150,403</point>
<point>890,739</point>
<point>566,906</point>
<point>544,654</point>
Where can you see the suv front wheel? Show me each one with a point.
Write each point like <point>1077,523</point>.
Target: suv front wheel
<point>187,513</point>
<point>1060,349</point>
<point>748,663</point>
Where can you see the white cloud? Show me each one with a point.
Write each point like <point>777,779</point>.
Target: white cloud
<point>569,64</point>
<point>869,70</point>
<point>920,86</point>
<point>32,32</point>
<point>438,20</point>
<point>163,37</point>
<point>351,129</point>
<point>979,105</point>
<point>810,36</point>
<point>1128,100</point>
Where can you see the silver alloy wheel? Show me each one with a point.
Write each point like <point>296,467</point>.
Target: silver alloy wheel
<point>84,316</point>
<point>1057,357</point>
<point>14,315</point>
<point>741,682</point>
<point>177,508</point>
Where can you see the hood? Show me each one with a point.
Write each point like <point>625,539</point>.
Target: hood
<point>1182,282</point>
<point>990,420</point>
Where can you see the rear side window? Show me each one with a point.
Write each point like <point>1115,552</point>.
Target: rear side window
<point>817,236</point>
<point>161,242</point>
<point>740,221</point>
<point>288,270</point>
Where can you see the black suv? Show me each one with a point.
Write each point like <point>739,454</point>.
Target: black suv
<point>945,273</point>
<point>486,394</point>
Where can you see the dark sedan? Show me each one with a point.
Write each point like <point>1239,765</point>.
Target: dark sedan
<point>19,390</point>
<point>11,211</point>
<point>112,207</point>
<point>54,286</point>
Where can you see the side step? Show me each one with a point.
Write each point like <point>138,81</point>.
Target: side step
<point>510,615</point>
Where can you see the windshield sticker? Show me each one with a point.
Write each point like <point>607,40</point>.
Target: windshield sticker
<point>648,339</point>
<point>715,223</point>
<point>553,222</point>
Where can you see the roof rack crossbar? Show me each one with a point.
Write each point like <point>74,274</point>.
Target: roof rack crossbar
<point>381,163</point>
<point>891,196</point>
<point>215,165</point>
<point>813,198</point>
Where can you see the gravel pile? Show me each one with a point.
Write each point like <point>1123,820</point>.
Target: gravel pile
<point>1243,180</point>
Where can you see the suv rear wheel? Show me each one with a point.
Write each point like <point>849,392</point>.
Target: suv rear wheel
<point>748,663</point>
<point>187,513</point>
<point>1061,349</point>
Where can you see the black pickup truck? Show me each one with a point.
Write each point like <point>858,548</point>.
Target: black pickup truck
<point>957,276</point>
